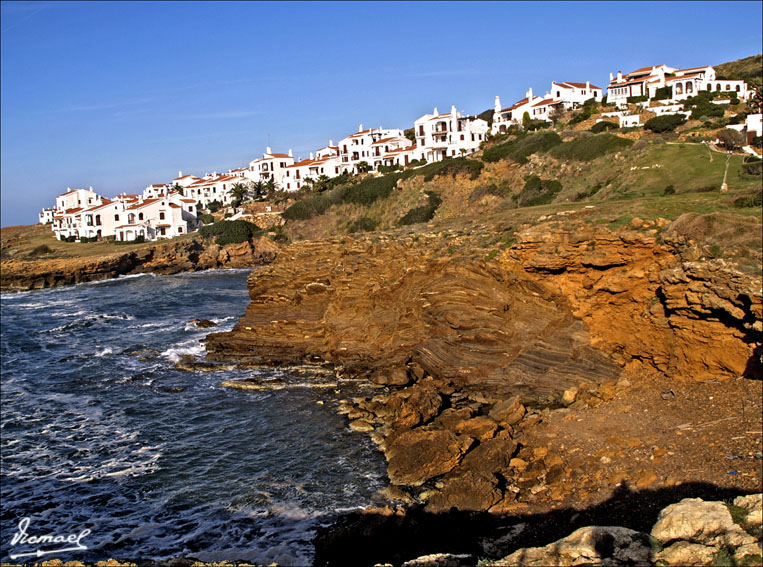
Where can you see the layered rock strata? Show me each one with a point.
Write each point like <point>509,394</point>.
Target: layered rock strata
<point>466,352</point>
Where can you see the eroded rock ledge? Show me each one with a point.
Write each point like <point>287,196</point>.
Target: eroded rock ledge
<point>170,258</point>
<point>467,354</point>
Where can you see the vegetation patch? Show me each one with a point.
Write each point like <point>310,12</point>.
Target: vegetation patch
<point>602,126</point>
<point>423,213</point>
<point>587,149</point>
<point>452,167</point>
<point>316,205</point>
<point>667,123</point>
<point>498,189</point>
<point>364,224</point>
<point>522,147</point>
<point>230,232</point>
<point>538,191</point>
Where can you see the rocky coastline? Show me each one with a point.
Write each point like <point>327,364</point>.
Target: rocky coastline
<point>169,258</point>
<point>471,358</point>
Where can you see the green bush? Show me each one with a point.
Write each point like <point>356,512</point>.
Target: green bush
<point>522,147</point>
<point>603,125</point>
<point>384,169</point>
<point>663,93</point>
<point>423,213</point>
<point>669,190</point>
<point>452,167</point>
<point>538,191</point>
<point>752,167</point>
<point>635,99</point>
<point>537,125</point>
<point>587,149</point>
<point>314,206</point>
<point>364,224</point>
<point>666,123</point>
<point>371,189</point>
<point>705,109</point>
<point>230,232</point>
<point>591,192</point>
<point>214,206</point>
<point>489,189</point>
<point>749,200</point>
<point>206,218</point>
<point>41,250</point>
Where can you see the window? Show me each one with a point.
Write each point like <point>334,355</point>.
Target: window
<point>737,88</point>
<point>180,229</point>
<point>161,216</point>
<point>140,216</point>
<point>131,218</point>
<point>728,87</point>
<point>689,88</point>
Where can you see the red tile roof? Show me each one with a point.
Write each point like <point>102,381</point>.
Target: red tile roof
<point>401,150</point>
<point>576,85</point>
<point>546,102</point>
<point>682,77</point>
<point>277,155</point>
<point>174,206</point>
<point>383,140</point>
<point>694,68</point>
<point>356,134</point>
<point>644,70</point>
<point>189,200</point>
<point>143,204</point>
<point>179,178</point>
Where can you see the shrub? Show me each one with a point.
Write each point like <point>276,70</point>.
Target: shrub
<point>705,109</point>
<point>757,141</point>
<point>669,190</point>
<point>423,213</point>
<point>314,206</point>
<point>364,224</point>
<point>603,125</point>
<point>71,238</point>
<point>537,125</point>
<point>522,147</point>
<point>749,200</point>
<point>454,166</point>
<point>592,191</point>
<point>666,123</point>
<point>384,169</point>
<point>230,232</point>
<point>663,93</point>
<point>370,190</point>
<point>752,166</point>
<point>587,149</point>
<point>417,162</point>
<point>206,218</point>
<point>40,250</point>
<point>538,191</point>
<point>635,99</point>
<point>214,206</point>
<point>489,189</point>
<point>731,139</point>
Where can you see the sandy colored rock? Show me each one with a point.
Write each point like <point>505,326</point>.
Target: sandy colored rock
<point>479,427</point>
<point>753,503</point>
<point>469,491</point>
<point>508,411</point>
<point>418,455</point>
<point>361,426</point>
<point>686,553</point>
<point>595,545</point>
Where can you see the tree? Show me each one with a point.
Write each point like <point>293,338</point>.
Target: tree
<point>322,183</point>
<point>239,192</point>
<point>731,139</point>
<point>177,188</point>
<point>755,102</point>
<point>556,113</point>
<point>257,188</point>
<point>410,134</point>
<point>363,166</point>
<point>526,120</point>
<point>665,123</point>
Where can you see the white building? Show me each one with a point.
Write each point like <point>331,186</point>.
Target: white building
<point>77,198</point>
<point>271,166</point>
<point>384,146</point>
<point>164,217</point>
<point>45,216</point>
<point>641,82</point>
<point>213,187</point>
<point>504,118</point>
<point>573,95</point>
<point>448,135</point>
<point>753,126</point>
<point>357,147</point>
<point>401,156</point>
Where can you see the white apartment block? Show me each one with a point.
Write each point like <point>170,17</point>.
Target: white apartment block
<point>45,216</point>
<point>270,167</point>
<point>213,187</point>
<point>384,146</point>
<point>573,95</point>
<point>401,156</point>
<point>448,135</point>
<point>641,82</point>
<point>504,118</point>
<point>313,169</point>
<point>77,198</point>
<point>357,147</point>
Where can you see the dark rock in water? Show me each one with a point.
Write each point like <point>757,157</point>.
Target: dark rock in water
<point>171,389</point>
<point>255,384</point>
<point>142,352</point>
<point>203,323</point>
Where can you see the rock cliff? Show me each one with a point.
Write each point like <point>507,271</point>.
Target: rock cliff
<point>169,258</point>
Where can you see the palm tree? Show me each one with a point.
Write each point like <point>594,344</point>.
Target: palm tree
<point>177,188</point>
<point>363,166</point>
<point>258,188</point>
<point>322,183</point>
<point>239,192</point>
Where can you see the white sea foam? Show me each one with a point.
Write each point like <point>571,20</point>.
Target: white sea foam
<point>192,348</point>
<point>104,352</point>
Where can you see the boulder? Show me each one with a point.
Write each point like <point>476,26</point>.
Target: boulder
<point>479,427</point>
<point>442,560</point>
<point>470,491</point>
<point>421,405</point>
<point>390,377</point>
<point>415,456</point>
<point>508,411</point>
<point>593,545</point>
<point>685,553</point>
<point>697,521</point>
<point>753,503</point>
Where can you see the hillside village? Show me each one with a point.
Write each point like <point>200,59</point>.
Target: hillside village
<point>177,207</point>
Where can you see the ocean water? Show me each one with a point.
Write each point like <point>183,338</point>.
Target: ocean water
<point>100,431</point>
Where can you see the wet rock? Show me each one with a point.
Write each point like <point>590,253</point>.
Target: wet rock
<point>255,384</point>
<point>595,545</point>
<point>203,323</point>
<point>361,426</point>
<point>416,456</point>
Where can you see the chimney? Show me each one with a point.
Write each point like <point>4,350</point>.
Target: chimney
<point>530,94</point>
<point>436,113</point>
<point>311,155</point>
<point>497,104</point>
<point>360,127</point>
<point>453,111</point>
<point>588,85</point>
<point>619,76</point>
<point>611,77</point>
<point>267,150</point>
<point>290,155</point>
<point>180,174</point>
<point>331,143</point>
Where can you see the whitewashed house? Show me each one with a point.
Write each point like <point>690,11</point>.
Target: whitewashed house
<point>77,198</point>
<point>45,216</point>
<point>573,95</point>
<point>271,166</point>
<point>164,217</point>
<point>401,156</point>
<point>327,151</point>
<point>448,135</point>
<point>213,187</point>
<point>357,147</point>
<point>641,82</point>
<point>312,169</point>
<point>630,120</point>
<point>753,126</point>
<point>383,146</point>
<point>504,118</point>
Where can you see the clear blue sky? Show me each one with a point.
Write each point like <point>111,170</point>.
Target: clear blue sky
<point>121,95</point>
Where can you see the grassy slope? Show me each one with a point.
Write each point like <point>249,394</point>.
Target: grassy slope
<point>17,242</point>
<point>743,69</point>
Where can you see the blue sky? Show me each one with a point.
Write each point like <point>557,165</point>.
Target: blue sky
<point>121,95</point>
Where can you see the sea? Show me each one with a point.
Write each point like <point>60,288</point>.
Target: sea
<point>101,432</point>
